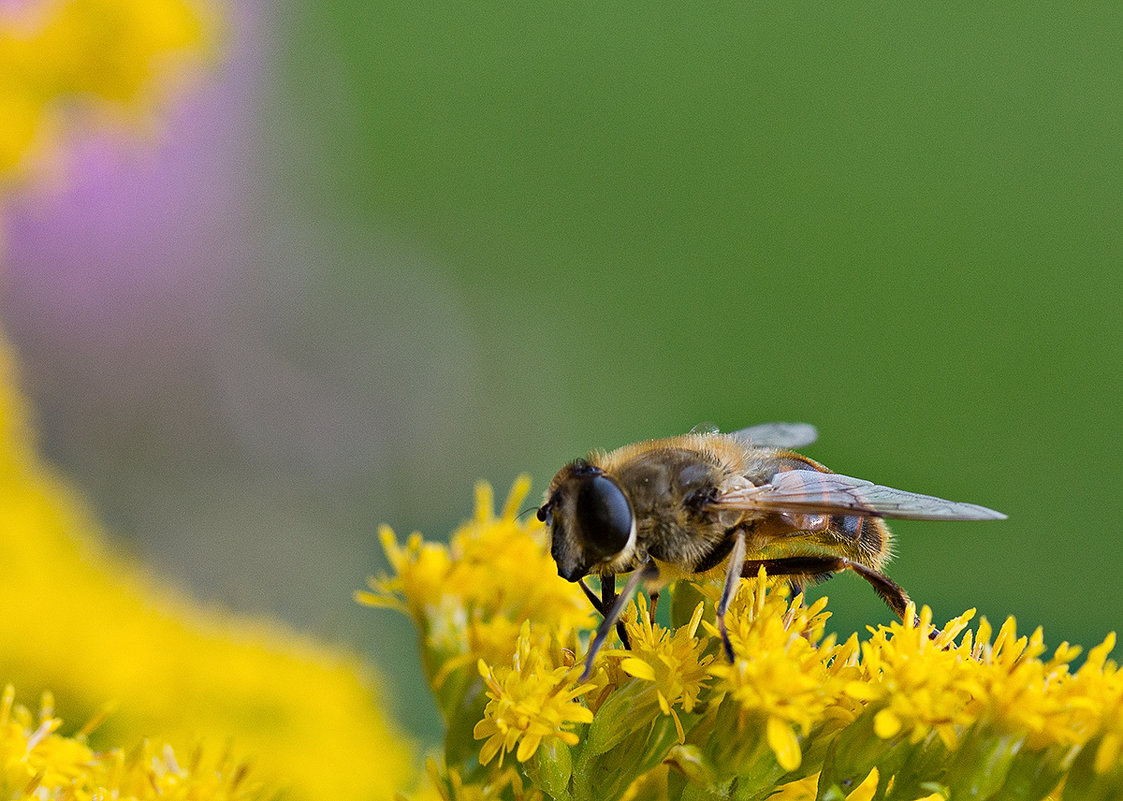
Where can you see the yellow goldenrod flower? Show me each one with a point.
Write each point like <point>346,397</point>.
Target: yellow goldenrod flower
<point>674,663</point>
<point>909,712</point>
<point>77,617</point>
<point>780,682</point>
<point>471,597</point>
<point>92,55</point>
<point>531,700</point>
<point>920,684</point>
<point>446,784</point>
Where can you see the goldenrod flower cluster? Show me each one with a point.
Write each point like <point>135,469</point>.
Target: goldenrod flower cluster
<point>909,712</point>
<point>37,762</point>
<point>59,57</point>
<point>528,702</point>
<point>471,598</point>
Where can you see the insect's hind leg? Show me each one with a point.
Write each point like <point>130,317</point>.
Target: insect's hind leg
<point>818,566</point>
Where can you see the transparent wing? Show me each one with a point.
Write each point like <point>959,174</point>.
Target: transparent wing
<point>812,492</point>
<point>779,435</point>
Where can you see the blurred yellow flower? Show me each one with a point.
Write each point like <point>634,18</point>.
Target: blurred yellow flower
<point>37,762</point>
<point>86,55</point>
<point>81,620</point>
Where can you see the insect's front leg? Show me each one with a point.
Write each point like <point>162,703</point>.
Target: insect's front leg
<point>604,603</point>
<point>608,600</point>
<point>614,604</point>
<point>592,596</point>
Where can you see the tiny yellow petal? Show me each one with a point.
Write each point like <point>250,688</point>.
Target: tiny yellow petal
<point>638,668</point>
<point>490,749</point>
<point>1107,755</point>
<point>516,496</point>
<point>527,747</point>
<point>580,714</point>
<point>948,736</point>
<point>886,724</point>
<point>485,502</point>
<point>366,598</point>
<point>865,790</point>
<point>862,691</point>
<point>784,743</point>
<point>696,618</point>
<point>394,554</point>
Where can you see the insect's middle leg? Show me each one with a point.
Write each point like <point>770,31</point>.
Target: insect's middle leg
<point>732,581</point>
<point>608,601</point>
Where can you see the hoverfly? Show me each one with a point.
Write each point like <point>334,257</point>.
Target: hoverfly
<point>705,502</point>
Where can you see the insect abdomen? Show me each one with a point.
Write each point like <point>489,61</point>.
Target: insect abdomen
<point>866,538</point>
<point>863,539</point>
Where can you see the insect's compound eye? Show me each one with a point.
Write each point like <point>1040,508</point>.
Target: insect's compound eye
<point>543,513</point>
<point>604,516</point>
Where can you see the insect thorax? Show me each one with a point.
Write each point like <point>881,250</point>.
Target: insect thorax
<point>669,490</point>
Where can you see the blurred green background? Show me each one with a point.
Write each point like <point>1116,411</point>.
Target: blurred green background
<point>397,247</point>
